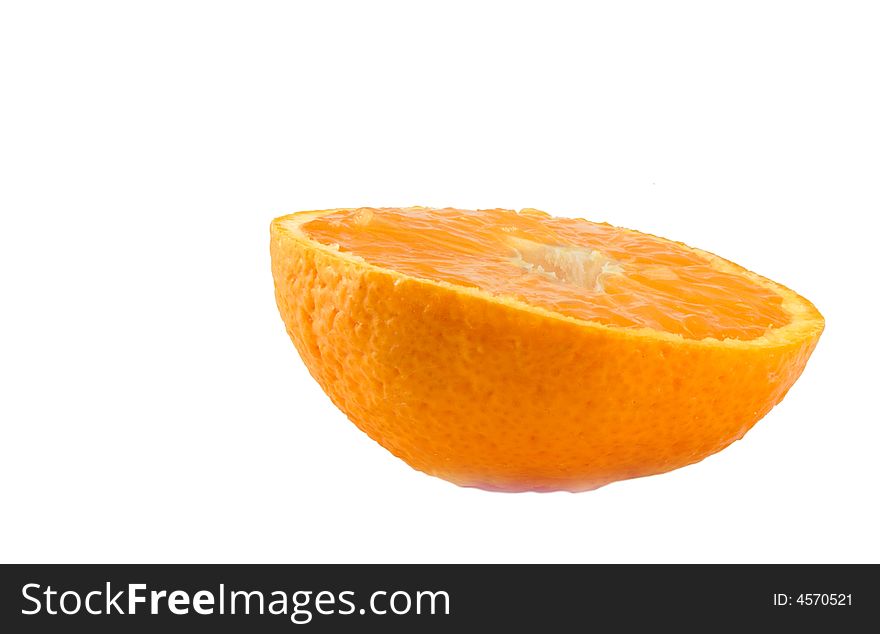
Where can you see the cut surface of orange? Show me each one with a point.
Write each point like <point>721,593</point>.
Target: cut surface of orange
<point>517,351</point>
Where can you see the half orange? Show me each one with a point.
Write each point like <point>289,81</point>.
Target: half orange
<point>517,351</point>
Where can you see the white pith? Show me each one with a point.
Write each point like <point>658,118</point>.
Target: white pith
<point>578,266</point>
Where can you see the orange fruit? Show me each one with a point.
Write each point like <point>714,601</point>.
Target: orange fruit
<point>516,351</point>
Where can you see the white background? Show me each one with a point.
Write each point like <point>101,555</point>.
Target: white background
<point>152,406</point>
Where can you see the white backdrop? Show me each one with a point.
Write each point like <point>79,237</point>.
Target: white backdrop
<point>152,406</point>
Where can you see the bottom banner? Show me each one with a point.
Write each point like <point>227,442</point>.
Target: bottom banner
<point>406,598</point>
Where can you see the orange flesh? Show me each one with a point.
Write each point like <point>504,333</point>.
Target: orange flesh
<point>577,268</point>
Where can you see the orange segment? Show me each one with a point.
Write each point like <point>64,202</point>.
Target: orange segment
<point>585,270</point>
<point>517,351</point>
